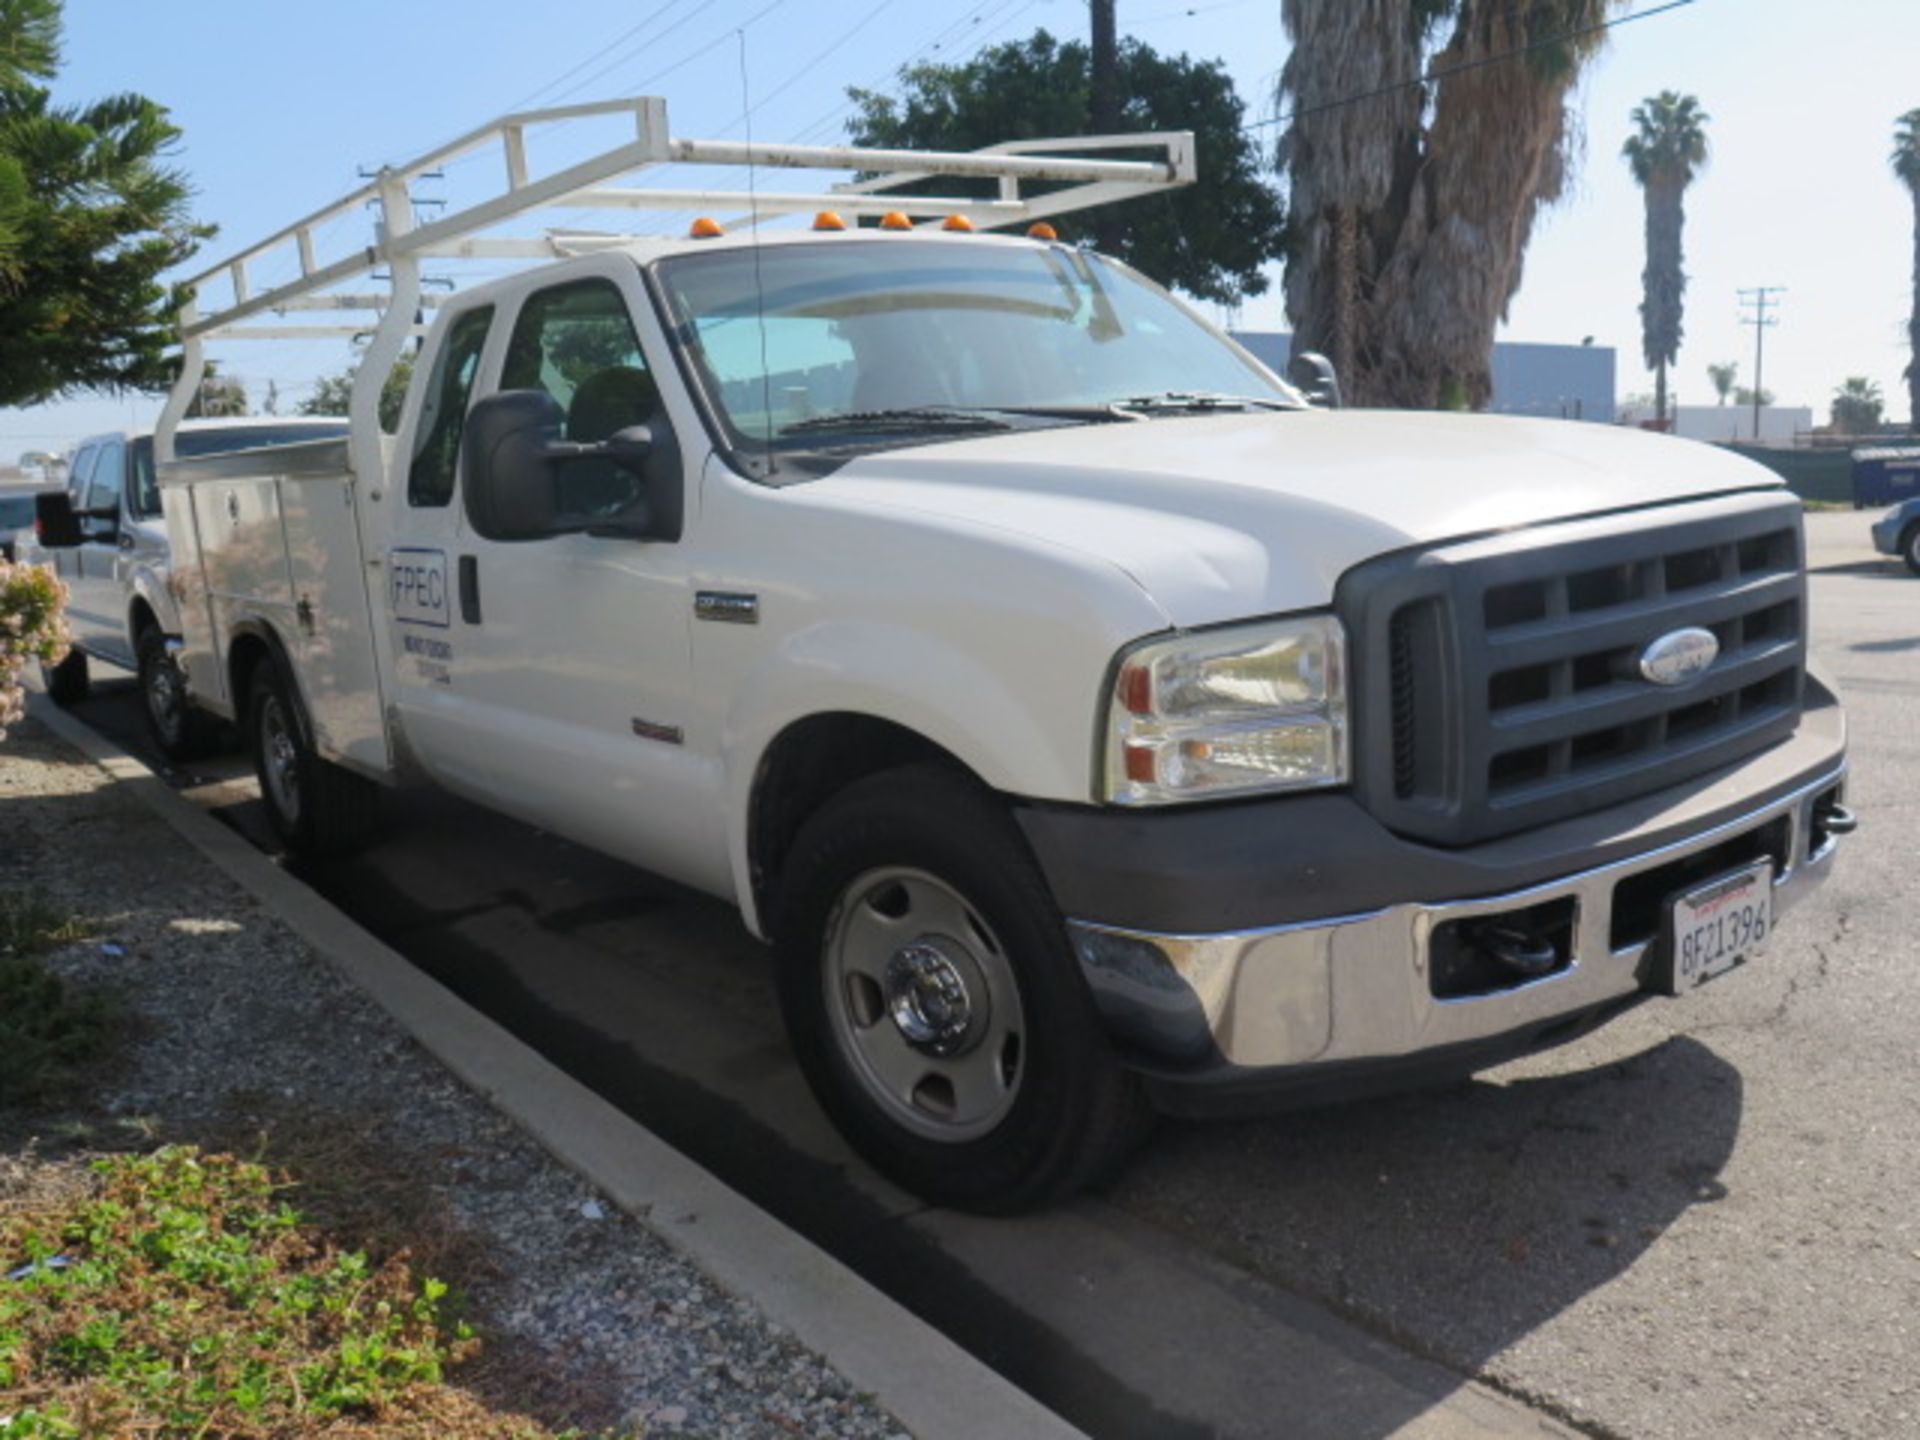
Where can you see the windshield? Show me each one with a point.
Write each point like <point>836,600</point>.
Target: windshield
<point>16,512</point>
<point>187,444</point>
<point>866,327</point>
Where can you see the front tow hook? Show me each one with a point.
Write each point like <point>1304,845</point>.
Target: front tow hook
<point>1836,819</point>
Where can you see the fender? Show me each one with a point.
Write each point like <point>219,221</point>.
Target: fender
<point>149,584</point>
<point>231,707</point>
<point>906,677</point>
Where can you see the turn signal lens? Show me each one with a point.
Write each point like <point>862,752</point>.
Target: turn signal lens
<point>827,220</point>
<point>705,228</point>
<point>894,220</point>
<point>956,222</point>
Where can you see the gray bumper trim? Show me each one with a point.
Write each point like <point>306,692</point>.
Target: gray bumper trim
<point>1355,987</point>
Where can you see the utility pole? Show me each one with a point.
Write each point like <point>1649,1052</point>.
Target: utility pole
<point>1105,88</point>
<point>1755,304</point>
<point>1103,95</point>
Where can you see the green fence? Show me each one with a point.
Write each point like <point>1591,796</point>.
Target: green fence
<point>1811,474</point>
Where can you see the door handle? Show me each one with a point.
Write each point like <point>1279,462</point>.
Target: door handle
<point>470,589</point>
<point>126,541</point>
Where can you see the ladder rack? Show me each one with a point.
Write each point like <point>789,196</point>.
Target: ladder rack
<point>400,243</point>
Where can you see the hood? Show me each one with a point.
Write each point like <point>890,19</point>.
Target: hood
<point>1220,517</point>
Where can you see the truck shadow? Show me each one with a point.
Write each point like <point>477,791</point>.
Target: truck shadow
<point>1457,1221</point>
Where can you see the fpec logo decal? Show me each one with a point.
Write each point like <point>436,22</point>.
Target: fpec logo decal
<point>417,587</point>
<point>1680,657</point>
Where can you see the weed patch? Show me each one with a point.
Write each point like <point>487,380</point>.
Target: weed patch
<point>182,1296</point>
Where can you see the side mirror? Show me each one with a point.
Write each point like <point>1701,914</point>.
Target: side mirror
<point>55,525</point>
<point>524,482</point>
<point>1312,374</point>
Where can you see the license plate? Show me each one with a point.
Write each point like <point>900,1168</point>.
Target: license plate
<point>1713,928</point>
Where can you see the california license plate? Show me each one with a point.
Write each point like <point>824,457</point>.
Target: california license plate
<point>1713,928</point>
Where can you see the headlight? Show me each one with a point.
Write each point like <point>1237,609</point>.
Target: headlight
<point>1229,712</point>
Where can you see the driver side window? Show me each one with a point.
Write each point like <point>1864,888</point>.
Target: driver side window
<point>577,343</point>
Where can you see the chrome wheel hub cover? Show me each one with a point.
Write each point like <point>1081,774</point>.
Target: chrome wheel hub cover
<point>929,999</point>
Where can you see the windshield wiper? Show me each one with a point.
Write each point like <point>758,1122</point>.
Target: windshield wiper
<point>1181,401</point>
<point>909,418</point>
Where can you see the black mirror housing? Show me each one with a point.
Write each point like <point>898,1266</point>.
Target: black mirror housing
<point>1312,374</point>
<point>512,459</point>
<point>55,525</point>
<point>504,449</point>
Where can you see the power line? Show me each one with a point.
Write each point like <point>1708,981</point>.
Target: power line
<point>807,69</point>
<point>975,16</point>
<point>1432,75</point>
<point>600,54</point>
<point>1187,12</point>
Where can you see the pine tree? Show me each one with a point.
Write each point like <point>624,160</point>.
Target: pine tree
<point>90,218</point>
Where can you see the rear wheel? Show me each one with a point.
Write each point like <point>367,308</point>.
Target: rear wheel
<point>68,682</point>
<point>935,1004</point>
<point>315,806</point>
<point>178,730</point>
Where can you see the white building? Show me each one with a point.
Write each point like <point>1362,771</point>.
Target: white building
<point>1779,424</point>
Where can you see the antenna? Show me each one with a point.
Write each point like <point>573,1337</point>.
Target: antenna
<point>759,285</point>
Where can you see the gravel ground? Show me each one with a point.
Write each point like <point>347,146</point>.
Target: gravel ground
<point>240,1031</point>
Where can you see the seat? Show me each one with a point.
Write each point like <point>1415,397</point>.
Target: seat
<point>606,403</point>
<point>609,401</point>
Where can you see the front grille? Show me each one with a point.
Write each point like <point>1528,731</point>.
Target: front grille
<point>1497,682</point>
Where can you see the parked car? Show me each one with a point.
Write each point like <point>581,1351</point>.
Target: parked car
<point>120,606</point>
<point>1898,533</point>
<point>1090,723</point>
<point>16,510</point>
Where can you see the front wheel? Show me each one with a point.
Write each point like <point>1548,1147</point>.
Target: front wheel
<point>1910,548</point>
<point>178,730</point>
<point>316,807</point>
<point>935,1004</point>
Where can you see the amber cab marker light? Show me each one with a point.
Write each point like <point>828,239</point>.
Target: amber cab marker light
<point>956,222</point>
<point>705,228</point>
<point>1040,230</point>
<point>827,220</point>
<point>894,220</point>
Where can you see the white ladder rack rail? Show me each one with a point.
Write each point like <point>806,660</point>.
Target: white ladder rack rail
<point>401,244</point>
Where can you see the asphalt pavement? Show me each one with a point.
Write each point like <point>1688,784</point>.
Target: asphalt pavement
<point>1698,1221</point>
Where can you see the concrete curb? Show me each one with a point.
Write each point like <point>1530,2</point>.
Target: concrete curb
<point>927,1382</point>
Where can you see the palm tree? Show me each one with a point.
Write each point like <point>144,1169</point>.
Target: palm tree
<point>1724,377</point>
<point>1906,164</point>
<point>1857,406</point>
<point>1412,205</point>
<point>1665,152</point>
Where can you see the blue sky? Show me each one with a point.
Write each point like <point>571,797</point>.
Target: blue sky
<point>282,103</point>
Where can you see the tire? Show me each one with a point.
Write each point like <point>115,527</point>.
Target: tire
<point>1910,548</point>
<point>316,807</point>
<point>178,731</point>
<point>69,682</point>
<point>998,1096</point>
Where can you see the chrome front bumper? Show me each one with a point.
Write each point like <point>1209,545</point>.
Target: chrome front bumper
<point>1356,988</point>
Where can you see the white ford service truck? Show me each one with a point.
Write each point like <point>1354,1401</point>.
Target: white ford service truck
<point>1091,723</point>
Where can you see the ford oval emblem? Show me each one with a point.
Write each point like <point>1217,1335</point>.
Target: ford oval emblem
<point>1680,657</point>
